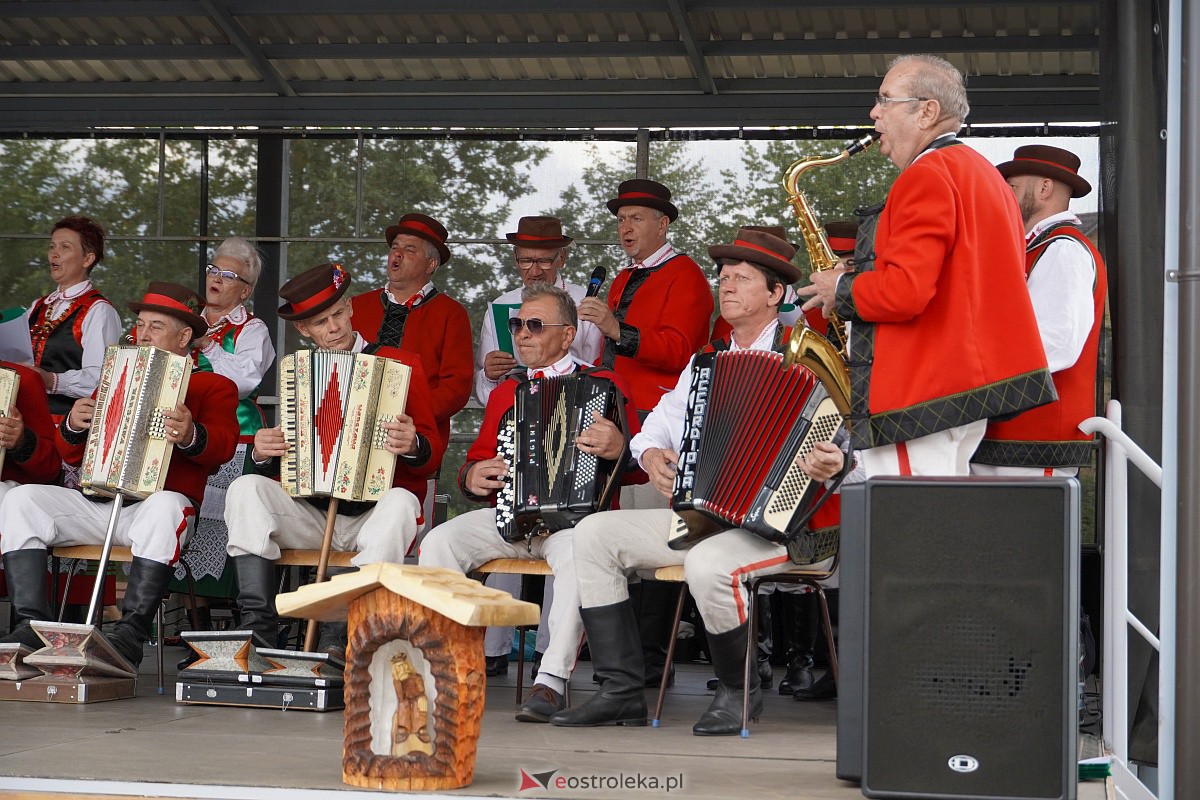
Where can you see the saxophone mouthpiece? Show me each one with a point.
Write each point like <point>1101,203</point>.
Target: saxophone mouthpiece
<point>858,145</point>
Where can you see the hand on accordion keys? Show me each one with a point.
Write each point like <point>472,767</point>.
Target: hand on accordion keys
<point>661,465</point>
<point>12,427</point>
<point>823,462</point>
<point>269,443</point>
<point>401,436</point>
<point>80,418</point>
<point>601,438</point>
<point>487,476</point>
<point>178,422</point>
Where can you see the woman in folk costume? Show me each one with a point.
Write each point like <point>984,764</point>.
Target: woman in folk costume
<point>236,346</point>
<point>70,327</point>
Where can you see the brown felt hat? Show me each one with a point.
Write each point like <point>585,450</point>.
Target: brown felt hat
<point>759,247</point>
<point>424,227</point>
<point>841,236</point>
<point>313,291</point>
<point>176,301</point>
<point>650,194</point>
<point>539,233</point>
<point>1048,162</point>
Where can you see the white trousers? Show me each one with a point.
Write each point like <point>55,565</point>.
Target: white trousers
<point>612,545</point>
<point>262,519</point>
<point>471,539</point>
<point>946,452</point>
<point>46,516</point>
<point>497,640</point>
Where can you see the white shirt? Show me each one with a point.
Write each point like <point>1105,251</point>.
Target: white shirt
<point>423,292</point>
<point>564,366</point>
<point>252,355</point>
<point>1060,287</point>
<point>587,347</point>
<point>664,427</point>
<point>654,259</point>
<point>101,327</point>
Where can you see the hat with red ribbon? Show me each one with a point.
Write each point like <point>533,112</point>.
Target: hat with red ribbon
<point>313,291</point>
<point>173,300</point>
<point>759,247</point>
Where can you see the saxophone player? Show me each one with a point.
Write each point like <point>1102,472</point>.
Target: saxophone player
<point>943,334</point>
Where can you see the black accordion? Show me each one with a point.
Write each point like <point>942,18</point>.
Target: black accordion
<point>749,417</point>
<point>551,483</point>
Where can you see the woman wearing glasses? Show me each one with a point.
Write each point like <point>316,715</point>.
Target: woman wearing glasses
<point>237,346</point>
<point>70,327</point>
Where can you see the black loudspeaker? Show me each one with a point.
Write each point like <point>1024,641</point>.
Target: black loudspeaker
<point>960,670</point>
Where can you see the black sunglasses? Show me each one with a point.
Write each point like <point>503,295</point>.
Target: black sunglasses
<point>534,324</point>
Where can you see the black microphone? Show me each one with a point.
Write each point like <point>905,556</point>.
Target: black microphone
<point>598,275</point>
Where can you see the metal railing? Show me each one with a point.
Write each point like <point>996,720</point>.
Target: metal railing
<point>1121,451</point>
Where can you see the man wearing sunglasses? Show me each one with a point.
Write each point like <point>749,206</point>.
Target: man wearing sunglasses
<point>540,253</point>
<point>942,331</point>
<point>543,332</point>
<point>611,546</point>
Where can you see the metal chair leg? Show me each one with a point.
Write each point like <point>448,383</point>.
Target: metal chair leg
<point>662,687</point>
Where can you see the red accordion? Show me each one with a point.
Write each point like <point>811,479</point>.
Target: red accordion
<point>749,417</point>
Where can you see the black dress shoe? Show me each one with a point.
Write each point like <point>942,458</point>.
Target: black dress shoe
<point>191,658</point>
<point>823,689</point>
<point>495,665</point>
<point>540,704</point>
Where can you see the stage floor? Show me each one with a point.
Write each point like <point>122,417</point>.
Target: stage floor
<point>149,746</point>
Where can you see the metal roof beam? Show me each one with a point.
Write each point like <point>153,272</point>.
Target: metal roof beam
<point>237,34</point>
<point>680,17</point>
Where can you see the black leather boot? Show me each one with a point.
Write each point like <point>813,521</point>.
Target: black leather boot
<point>824,688</point>
<point>612,634</point>
<point>148,581</point>
<point>724,715</point>
<point>654,605</point>
<point>25,571</point>
<point>766,640</point>
<point>333,637</point>
<point>204,621</point>
<point>256,598</point>
<point>802,618</point>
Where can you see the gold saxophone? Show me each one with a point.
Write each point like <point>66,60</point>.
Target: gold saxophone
<point>806,346</point>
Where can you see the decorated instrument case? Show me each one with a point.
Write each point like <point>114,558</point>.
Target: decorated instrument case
<point>10,382</point>
<point>553,484</point>
<point>332,406</point>
<point>127,452</point>
<point>749,418</point>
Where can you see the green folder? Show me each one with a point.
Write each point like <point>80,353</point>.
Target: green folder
<point>501,312</point>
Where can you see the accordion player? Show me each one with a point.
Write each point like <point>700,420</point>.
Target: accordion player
<point>552,484</point>
<point>749,418</point>
<point>27,452</point>
<point>332,406</point>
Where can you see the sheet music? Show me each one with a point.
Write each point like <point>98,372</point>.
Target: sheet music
<point>14,337</point>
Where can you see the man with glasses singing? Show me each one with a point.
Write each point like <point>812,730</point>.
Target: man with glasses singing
<point>543,332</point>
<point>539,251</point>
<point>943,334</point>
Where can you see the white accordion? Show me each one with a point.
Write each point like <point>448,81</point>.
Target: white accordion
<point>332,406</point>
<point>10,382</point>
<point>127,450</point>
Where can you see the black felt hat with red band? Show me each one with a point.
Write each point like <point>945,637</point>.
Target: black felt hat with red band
<point>423,227</point>
<point>173,300</point>
<point>649,194</point>
<point>313,291</point>
<point>1047,161</point>
<point>841,236</point>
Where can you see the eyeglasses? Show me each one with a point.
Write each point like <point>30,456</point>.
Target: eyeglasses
<point>225,274</point>
<point>544,263</point>
<point>533,324</point>
<point>884,101</point>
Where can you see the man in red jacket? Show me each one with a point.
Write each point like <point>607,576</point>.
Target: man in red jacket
<point>1067,284</point>
<point>260,515</point>
<point>543,333</point>
<point>412,314</point>
<point>204,430</point>
<point>943,335</point>
<point>27,434</point>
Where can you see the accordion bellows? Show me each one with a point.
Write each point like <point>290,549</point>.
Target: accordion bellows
<point>127,451</point>
<point>332,406</point>
<point>748,419</point>
<point>552,484</point>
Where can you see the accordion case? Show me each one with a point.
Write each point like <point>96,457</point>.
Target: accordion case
<point>552,484</point>
<point>748,419</point>
<point>332,406</point>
